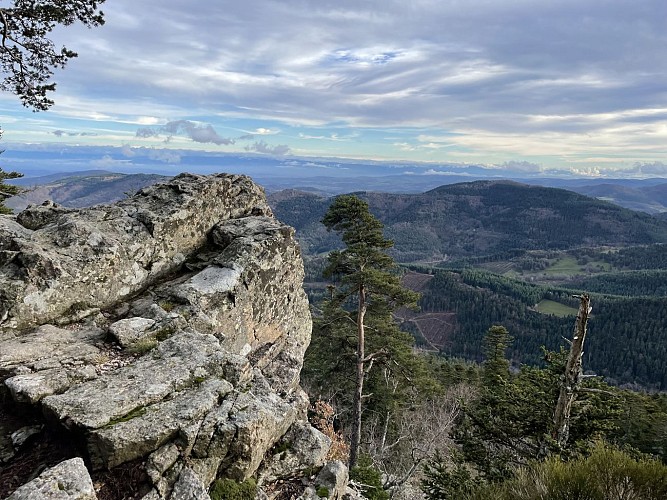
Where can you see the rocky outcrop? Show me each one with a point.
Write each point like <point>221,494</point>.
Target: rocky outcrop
<point>62,261</point>
<point>165,333</point>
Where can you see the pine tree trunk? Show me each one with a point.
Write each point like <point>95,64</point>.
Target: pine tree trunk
<point>355,439</point>
<point>572,376</point>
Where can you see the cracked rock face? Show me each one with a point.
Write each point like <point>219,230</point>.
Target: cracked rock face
<point>168,329</point>
<point>79,259</point>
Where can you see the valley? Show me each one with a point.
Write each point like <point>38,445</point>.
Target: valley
<point>487,253</point>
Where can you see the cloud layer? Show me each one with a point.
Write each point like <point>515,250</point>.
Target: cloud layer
<point>559,83</point>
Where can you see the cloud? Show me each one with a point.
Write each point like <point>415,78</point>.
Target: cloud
<point>127,151</point>
<point>108,162</point>
<point>265,131</point>
<point>61,133</point>
<point>654,168</point>
<point>433,171</point>
<point>165,156</point>
<point>147,132</point>
<point>364,62</point>
<point>521,166</point>
<point>264,148</point>
<point>331,137</point>
<point>199,132</point>
<point>513,79</point>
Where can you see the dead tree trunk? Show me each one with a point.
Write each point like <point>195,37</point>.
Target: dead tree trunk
<point>572,376</point>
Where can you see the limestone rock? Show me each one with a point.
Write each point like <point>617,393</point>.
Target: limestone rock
<point>38,216</point>
<point>251,297</point>
<point>333,477</point>
<point>131,330</point>
<point>189,487</point>
<point>174,365</point>
<point>67,480</point>
<point>64,347</point>
<point>35,371</point>
<point>182,329</point>
<point>98,256</point>
<point>302,447</point>
<point>21,436</point>
<point>161,460</point>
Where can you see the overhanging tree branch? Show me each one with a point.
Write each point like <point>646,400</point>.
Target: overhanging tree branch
<point>28,57</point>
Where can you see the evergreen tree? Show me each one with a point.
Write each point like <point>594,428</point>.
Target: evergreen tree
<point>27,56</point>
<point>496,365</point>
<point>368,291</point>
<point>7,190</point>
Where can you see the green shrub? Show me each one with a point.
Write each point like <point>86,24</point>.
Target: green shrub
<point>167,305</point>
<point>322,492</point>
<point>370,479</point>
<point>164,333</point>
<point>449,480</point>
<point>228,489</point>
<point>607,474</point>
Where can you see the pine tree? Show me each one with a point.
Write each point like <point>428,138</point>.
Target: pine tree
<point>27,56</point>
<point>367,293</point>
<point>7,190</point>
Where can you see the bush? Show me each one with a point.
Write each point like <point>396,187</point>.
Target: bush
<point>607,474</point>
<point>370,479</point>
<point>448,480</point>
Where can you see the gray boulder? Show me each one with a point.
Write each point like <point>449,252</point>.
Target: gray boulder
<point>68,480</point>
<point>302,447</point>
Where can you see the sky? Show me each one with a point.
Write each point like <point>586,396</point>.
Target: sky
<point>526,85</point>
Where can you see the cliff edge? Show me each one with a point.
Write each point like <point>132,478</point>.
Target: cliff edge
<point>154,344</point>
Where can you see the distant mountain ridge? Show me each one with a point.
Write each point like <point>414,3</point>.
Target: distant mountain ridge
<point>480,218</point>
<point>646,198</point>
<point>80,189</point>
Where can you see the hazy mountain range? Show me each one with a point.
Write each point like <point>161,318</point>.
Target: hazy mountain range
<point>329,175</point>
<point>79,187</point>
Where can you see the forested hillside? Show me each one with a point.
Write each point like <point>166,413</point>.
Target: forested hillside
<point>626,343</point>
<point>474,412</point>
<point>647,198</point>
<point>517,255</point>
<point>481,218</point>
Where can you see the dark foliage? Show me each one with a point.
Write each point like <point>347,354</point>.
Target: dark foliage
<point>27,56</point>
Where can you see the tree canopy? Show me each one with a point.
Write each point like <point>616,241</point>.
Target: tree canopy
<point>28,56</point>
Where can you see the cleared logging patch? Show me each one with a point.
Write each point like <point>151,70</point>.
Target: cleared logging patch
<point>556,308</point>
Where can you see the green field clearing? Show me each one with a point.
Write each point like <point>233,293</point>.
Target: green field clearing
<point>556,308</point>
<point>564,265</point>
<point>568,265</point>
